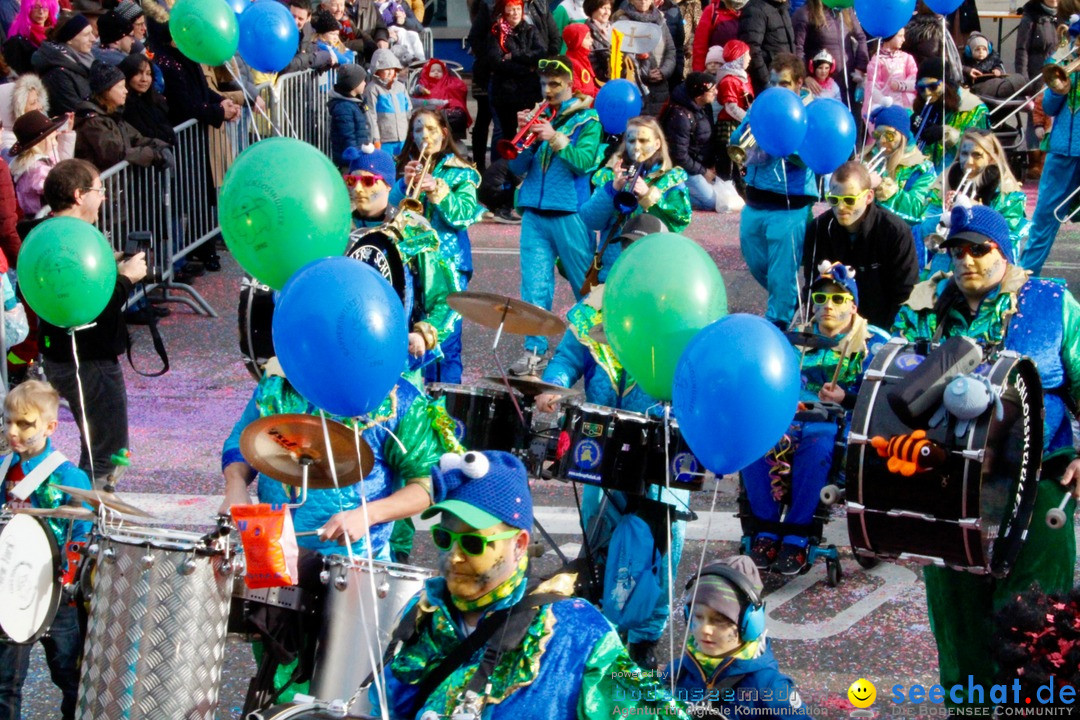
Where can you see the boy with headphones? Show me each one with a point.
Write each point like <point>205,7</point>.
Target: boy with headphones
<point>728,668</point>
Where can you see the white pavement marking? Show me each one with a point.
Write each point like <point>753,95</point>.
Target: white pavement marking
<point>496,251</point>
<point>897,580</point>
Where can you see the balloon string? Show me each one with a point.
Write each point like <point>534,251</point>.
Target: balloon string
<point>700,565</point>
<point>252,106</point>
<point>82,402</point>
<point>870,101</point>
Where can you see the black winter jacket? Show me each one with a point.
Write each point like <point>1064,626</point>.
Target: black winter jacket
<point>882,253</point>
<point>765,25</point>
<point>688,129</point>
<point>515,79</point>
<point>1036,39</point>
<point>187,91</point>
<point>66,79</point>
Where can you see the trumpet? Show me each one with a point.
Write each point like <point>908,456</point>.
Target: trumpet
<point>963,188</point>
<point>625,200</point>
<point>510,149</point>
<point>737,152</point>
<point>411,201</point>
<point>877,162</point>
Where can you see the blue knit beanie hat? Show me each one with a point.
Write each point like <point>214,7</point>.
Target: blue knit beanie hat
<point>895,117</point>
<point>979,225</point>
<point>839,273</point>
<point>482,489</point>
<point>368,159</point>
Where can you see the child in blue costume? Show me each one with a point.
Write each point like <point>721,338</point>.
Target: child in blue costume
<point>801,463</point>
<point>728,669</point>
<point>780,194</point>
<point>30,411</point>
<point>554,657</point>
<point>556,170</point>
<point>607,383</point>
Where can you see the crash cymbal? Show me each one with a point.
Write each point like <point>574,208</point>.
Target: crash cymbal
<point>64,512</point>
<point>531,386</point>
<point>809,340</point>
<point>521,318</point>
<point>275,446</point>
<point>97,498</point>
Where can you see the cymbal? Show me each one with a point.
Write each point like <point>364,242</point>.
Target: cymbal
<point>809,340</point>
<point>97,498</point>
<point>276,444</point>
<point>64,512</point>
<point>521,318</point>
<point>531,386</point>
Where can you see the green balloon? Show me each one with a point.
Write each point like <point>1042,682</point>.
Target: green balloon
<point>838,3</point>
<point>205,30</point>
<point>662,290</point>
<point>283,204</point>
<point>66,271</point>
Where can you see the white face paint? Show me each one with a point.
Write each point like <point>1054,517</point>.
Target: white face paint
<point>641,143</point>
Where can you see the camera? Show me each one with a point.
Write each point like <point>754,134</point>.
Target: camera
<point>143,241</point>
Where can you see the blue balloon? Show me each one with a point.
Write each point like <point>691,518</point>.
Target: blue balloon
<point>884,18</point>
<point>830,135</point>
<point>268,36</point>
<point>617,102</point>
<point>340,335</point>
<point>778,121</point>
<point>943,7</point>
<point>735,392</point>
<point>239,6</point>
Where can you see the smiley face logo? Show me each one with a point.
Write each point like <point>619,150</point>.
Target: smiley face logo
<point>862,693</point>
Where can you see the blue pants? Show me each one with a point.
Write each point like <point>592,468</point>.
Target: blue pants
<point>702,195</point>
<point>809,472</point>
<point>447,370</point>
<point>63,647</point>
<point>591,499</point>
<point>1061,175</point>
<point>543,239</point>
<point>772,245</point>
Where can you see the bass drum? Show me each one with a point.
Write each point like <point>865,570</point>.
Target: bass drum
<point>255,317</point>
<point>30,591</point>
<point>956,499</point>
<point>376,247</point>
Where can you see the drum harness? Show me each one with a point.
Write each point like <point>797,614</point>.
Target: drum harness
<point>511,623</point>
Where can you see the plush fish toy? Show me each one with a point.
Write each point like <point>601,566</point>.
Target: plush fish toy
<point>966,398</point>
<point>909,454</point>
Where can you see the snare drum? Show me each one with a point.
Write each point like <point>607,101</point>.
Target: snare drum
<point>30,589</point>
<point>687,473</point>
<point>350,614</point>
<point>155,644</point>
<point>971,512</point>
<point>607,447</point>
<point>484,417</point>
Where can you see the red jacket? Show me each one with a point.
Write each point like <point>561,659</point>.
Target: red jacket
<point>718,25</point>
<point>9,216</point>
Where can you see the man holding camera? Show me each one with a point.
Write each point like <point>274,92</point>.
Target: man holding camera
<point>73,189</point>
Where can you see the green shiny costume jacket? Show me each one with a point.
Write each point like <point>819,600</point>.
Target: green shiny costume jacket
<point>914,183</point>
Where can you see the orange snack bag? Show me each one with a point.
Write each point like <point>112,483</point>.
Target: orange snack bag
<point>269,540</point>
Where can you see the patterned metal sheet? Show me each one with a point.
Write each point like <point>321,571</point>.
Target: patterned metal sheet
<point>155,643</point>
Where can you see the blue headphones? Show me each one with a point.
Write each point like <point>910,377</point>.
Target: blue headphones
<point>752,615</point>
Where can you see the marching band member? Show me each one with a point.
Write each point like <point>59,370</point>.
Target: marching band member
<point>981,162</point>
<point>480,641</point>
<point>780,195</point>
<point>991,299</point>
<point>800,465</point>
<point>407,435</point>
<point>607,383</point>
<point>902,179</point>
<point>432,274</point>
<point>1061,171</point>
<point>658,189</point>
<point>448,195</point>
<point>30,413</point>
<point>556,170</point>
<point>942,112</point>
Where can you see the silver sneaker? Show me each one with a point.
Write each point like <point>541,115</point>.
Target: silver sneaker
<point>528,364</point>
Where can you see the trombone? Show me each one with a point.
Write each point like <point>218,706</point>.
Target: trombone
<point>737,152</point>
<point>1064,204</point>
<point>411,201</point>
<point>510,149</point>
<point>1051,73</point>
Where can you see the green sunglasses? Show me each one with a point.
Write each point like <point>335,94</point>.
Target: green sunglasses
<point>471,543</point>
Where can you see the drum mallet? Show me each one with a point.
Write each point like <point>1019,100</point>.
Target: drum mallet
<point>1056,517</point>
